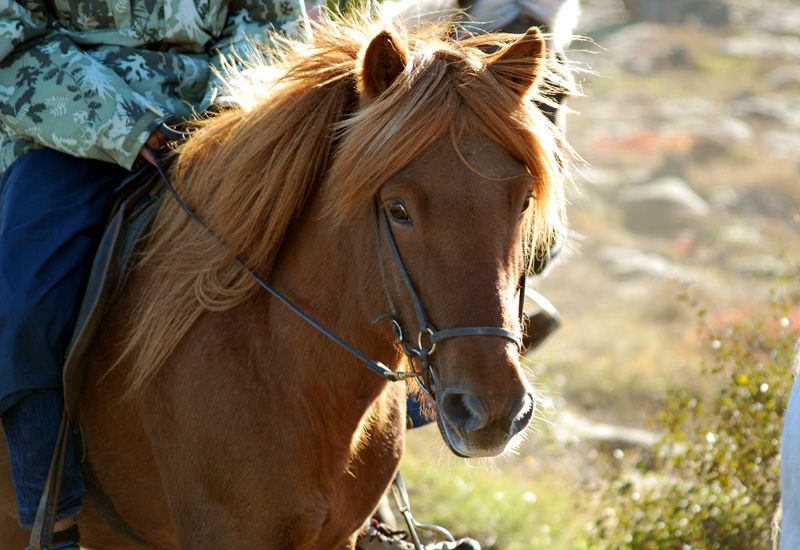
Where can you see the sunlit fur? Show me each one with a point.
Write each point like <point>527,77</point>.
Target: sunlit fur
<point>297,124</point>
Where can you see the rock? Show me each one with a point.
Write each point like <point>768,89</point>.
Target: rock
<point>709,147</point>
<point>722,197</point>
<point>774,16</point>
<point>600,16</point>
<point>673,166</point>
<point>708,12</point>
<point>715,138</point>
<point>767,203</point>
<point>644,48</point>
<point>608,177</point>
<point>714,13</point>
<point>664,207</point>
<point>738,234</point>
<point>758,266</point>
<point>784,77</point>
<point>764,45</point>
<point>573,427</point>
<point>782,144</point>
<point>630,262</point>
<point>732,128</point>
<point>768,109</point>
<point>704,118</point>
<point>710,131</point>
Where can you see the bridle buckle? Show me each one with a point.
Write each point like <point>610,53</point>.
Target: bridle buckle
<point>429,349</point>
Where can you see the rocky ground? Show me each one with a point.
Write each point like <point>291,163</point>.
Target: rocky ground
<point>691,140</point>
<point>689,198</point>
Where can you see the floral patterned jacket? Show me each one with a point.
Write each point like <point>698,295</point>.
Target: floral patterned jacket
<point>92,77</point>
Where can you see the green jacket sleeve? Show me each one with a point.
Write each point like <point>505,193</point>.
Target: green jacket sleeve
<point>251,22</point>
<point>58,96</point>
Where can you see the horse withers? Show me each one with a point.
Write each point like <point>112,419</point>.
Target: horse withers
<point>375,178</point>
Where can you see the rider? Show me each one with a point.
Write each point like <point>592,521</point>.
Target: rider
<point>83,86</point>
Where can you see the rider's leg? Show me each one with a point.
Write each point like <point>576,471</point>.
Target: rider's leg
<point>52,211</point>
<point>415,410</point>
<point>31,427</point>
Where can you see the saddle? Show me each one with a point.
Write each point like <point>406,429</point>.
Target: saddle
<point>137,200</point>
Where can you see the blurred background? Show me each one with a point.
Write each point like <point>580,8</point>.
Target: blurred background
<point>661,394</point>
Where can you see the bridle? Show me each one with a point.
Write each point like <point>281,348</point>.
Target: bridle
<point>428,336</point>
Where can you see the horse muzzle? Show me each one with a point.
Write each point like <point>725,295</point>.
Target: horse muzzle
<point>475,426</point>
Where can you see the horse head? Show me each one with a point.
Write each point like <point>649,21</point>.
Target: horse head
<point>460,235</point>
<point>468,210</point>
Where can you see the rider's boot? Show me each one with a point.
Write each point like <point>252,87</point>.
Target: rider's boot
<point>68,539</point>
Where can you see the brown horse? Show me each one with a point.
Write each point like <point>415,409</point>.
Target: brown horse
<point>214,417</point>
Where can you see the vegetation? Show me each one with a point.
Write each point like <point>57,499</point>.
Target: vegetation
<point>713,482</point>
<point>504,507</point>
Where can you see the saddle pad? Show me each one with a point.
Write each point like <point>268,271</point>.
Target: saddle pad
<point>139,196</point>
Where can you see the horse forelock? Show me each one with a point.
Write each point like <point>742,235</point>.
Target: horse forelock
<point>296,125</point>
<point>447,88</point>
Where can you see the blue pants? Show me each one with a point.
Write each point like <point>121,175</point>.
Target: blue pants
<point>415,415</point>
<point>52,211</point>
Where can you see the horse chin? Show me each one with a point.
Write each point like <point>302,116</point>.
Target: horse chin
<point>462,447</point>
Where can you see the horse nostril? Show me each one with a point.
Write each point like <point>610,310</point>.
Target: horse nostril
<point>526,414</point>
<point>464,411</point>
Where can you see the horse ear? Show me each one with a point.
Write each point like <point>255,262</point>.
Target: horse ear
<point>384,60</point>
<point>520,64</point>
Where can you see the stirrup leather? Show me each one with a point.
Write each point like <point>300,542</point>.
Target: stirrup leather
<point>401,499</point>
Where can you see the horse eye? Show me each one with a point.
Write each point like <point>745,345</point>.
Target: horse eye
<point>398,212</point>
<point>527,203</point>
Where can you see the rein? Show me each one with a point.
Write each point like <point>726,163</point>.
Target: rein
<point>375,366</point>
<point>428,336</point>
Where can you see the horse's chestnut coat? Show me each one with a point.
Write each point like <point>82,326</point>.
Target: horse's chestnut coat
<point>216,418</point>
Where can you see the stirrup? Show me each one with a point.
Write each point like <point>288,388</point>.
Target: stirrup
<point>401,499</point>
<point>68,539</point>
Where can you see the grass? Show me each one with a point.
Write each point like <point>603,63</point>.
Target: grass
<point>501,504</point>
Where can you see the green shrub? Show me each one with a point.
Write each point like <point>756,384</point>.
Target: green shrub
<point>713,481</point>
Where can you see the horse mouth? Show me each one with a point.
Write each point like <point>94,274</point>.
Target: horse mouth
<point>488,442</point>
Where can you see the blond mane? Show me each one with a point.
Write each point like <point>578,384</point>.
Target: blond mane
<point>295,124</point>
